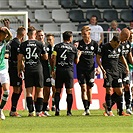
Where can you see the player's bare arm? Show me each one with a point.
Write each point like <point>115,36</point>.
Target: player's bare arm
<point>98,59</point>
<point>19,65</point>
<point>7,31</point>
<point>53,64</point>
<point>78,57</point>
<point>45,56</point>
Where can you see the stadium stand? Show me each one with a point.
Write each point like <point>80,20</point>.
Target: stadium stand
<point>15,4</point>
<point>43,16</point>
<point>63,11</point>
<point>68,26</point>
<point>110,15</point>
<point>126,15</point>
<point>60,16</point>
<point>76,16</point>
<point>79,27</point>
<point>35,4</point>
<point>31,16</point>
<point>51,28</point>
<point>102,4</point>
<point>51,4</point>
<point>95,12</point>
<point>85,4</point>
<point>121,26</point>
<point>119,4</point>
<point>37,26</point>
<point>104,26</point>
<point>4,4</point>
<point>130,3</point>
<point>68,4</point>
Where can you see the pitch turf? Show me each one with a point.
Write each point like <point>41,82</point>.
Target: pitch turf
<point>95,123</point>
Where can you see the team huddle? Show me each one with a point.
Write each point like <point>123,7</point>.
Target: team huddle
<point>51,66</point>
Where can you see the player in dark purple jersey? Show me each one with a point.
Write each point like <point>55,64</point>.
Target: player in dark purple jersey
<point>32,51</point>
<point>46,74</point>
<point>51,43</point>
<point>63,58</point>
<point>107,59</point>
<point>15,81</point>
<point>86,67</point>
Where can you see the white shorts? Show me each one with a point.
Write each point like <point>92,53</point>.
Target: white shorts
<point>4,76</point>
<point>53,82</point>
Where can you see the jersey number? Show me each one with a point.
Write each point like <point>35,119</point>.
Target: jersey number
<point>31,53</point>
<point>63,55</point>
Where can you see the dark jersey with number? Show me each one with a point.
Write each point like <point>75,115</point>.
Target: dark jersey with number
<point>13,48</point>
<point>66,53</point>
<point>32,50</point>
<point>126,49</point>
<point>87,57</point>
<point>110,57</point>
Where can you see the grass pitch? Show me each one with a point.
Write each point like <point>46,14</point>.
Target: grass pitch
<point>95,123</point>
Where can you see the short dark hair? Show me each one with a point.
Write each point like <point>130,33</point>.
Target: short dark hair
<point>31,29</point>
<point>67,35</point>
<point>116,39</point>
<point>95,17</point>
<point>20,30</point>
<point>50,34</point>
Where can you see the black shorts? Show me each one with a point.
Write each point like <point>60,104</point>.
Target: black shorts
<point>86,77</point>
<point>64,76</point>
<point>112,80</point>
<point>14,79</point>
<point>47,77</point>
<point>33,78</point>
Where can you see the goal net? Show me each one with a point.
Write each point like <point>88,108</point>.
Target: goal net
<point>17,18</point>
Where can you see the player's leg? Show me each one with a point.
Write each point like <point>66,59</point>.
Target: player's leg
<point>5,84</point>
<point>132,98</point>
<point>14,101</point>
<point>16,82</point>
<point>0,91</point>
<point>108,86</point>
<point>39,101</point>
<point>127,95</point>
<point>82,83</point>
<point>29,83</point>
<point>90,84</point>
<point>117,85</point>
<point>53,94</point>
<point>69,85</point>
<point>46,94</point>
<point>38,83</point>
<point>58,86</point>
<point>57,101</point>
<point>46,90</point>
<point>29,101</point>
<point>69,100</point>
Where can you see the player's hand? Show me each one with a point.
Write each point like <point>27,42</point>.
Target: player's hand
<point>4,29</point>
<point>97,71</point>
<point>79,53</point>
<point>104,74</point>
<point>20,74</point>
<point>53,74</point>
<point>127,71</point>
